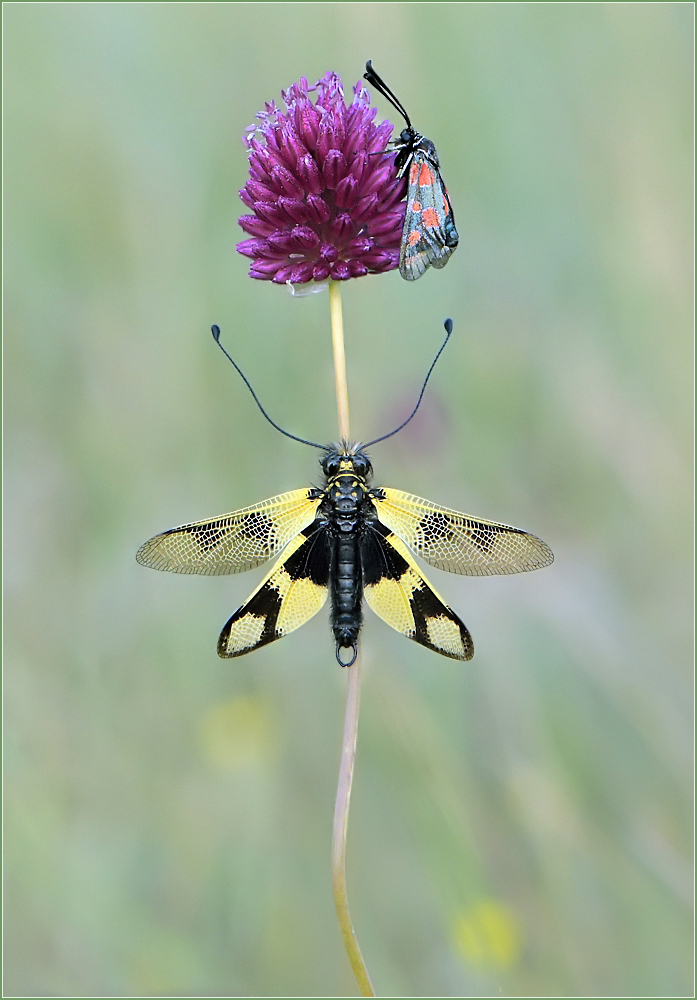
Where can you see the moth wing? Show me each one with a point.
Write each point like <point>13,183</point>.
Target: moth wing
<point>396,590</point>
<point>457,542</point>
<point>448,232</point>
<point>232,542</point>
<point>429,235</point>
<point>294,591</point>
<point>413,261</point>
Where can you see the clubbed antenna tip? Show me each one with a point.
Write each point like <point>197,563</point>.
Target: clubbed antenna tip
<point>377,81</point>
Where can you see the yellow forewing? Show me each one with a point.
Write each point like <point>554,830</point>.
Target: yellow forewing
<point>457,542</point>
<point>232,542</point>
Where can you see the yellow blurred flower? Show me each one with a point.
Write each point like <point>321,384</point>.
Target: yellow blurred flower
<point>487,934</point>
<point>237,732</point>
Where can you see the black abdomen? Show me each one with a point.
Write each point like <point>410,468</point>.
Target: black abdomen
<point>346,592</point>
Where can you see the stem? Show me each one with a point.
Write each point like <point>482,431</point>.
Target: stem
<point>342,407</point>
<point>343,798</point>
<point>348,747</point>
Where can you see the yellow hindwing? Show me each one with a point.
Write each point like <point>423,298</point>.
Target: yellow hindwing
<point>294,591</point>
<point>397,591</point>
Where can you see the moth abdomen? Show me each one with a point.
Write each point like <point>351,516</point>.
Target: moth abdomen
<point>347,591</point>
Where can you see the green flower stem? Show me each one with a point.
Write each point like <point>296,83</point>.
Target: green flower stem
<point>348,747</point>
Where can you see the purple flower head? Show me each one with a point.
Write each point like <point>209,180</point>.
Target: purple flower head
<point>324,206</point>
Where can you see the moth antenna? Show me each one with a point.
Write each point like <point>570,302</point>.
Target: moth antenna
<point>448,330</point>
<point>215,330</point>
<point>372,77</point>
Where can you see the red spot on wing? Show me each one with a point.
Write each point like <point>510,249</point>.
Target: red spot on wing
<point>414,237</point>
<point>425,176</point>
<point>416,206</point>
<point>429,217</point>
<point>413,173</point>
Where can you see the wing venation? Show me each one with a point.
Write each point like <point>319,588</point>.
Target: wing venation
<point>457,542</point>
<point>232,542</point>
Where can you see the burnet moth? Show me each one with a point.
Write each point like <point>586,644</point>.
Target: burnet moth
<point>429,235</point>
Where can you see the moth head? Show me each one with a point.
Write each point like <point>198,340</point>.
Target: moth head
<point>346,458</point>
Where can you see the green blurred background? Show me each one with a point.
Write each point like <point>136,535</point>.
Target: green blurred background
<point>521,825</point>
